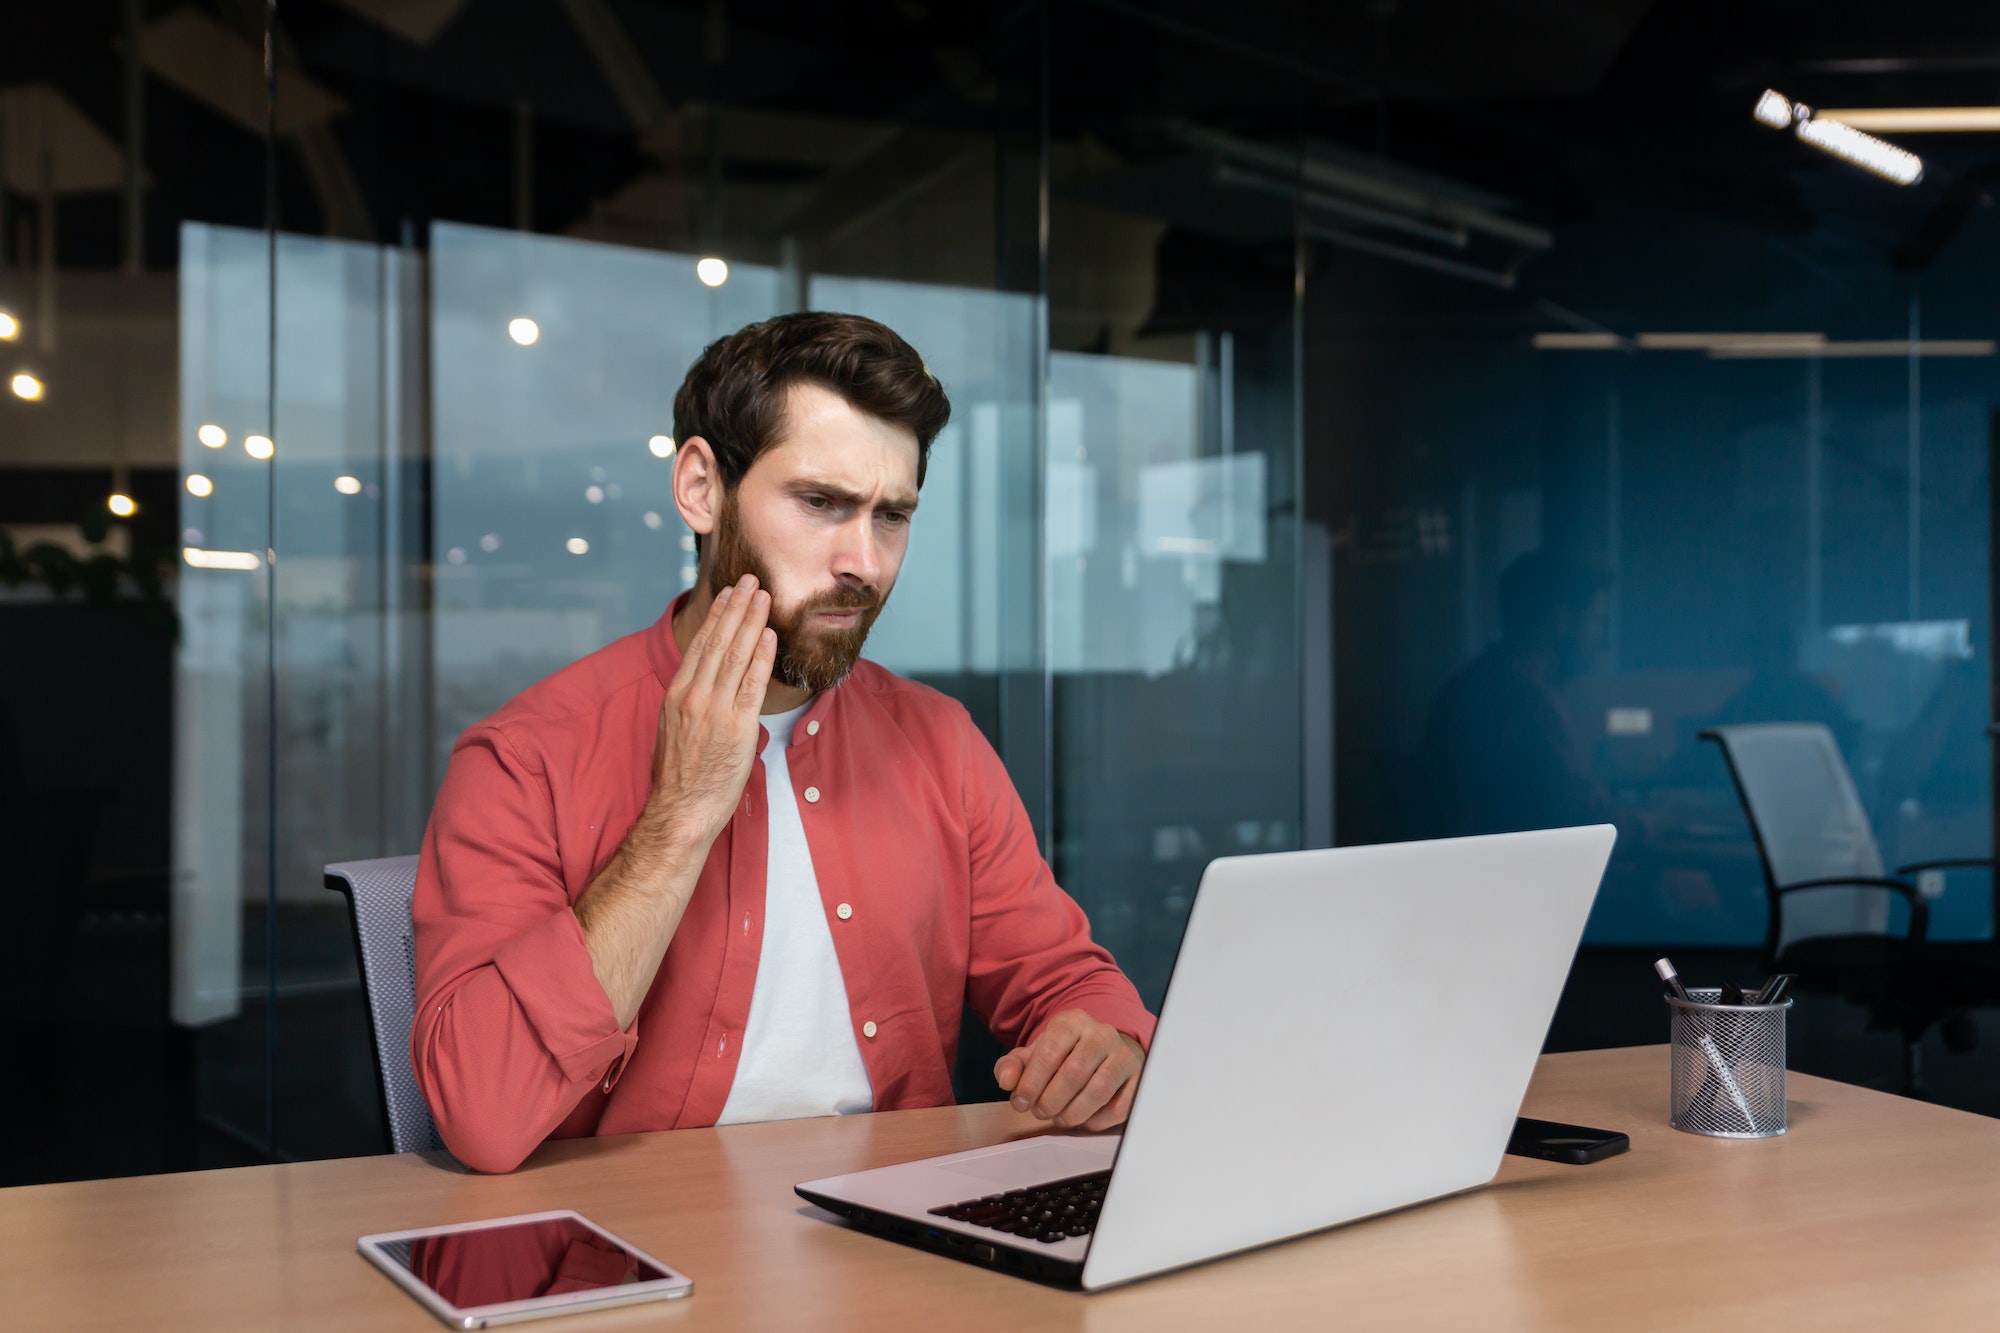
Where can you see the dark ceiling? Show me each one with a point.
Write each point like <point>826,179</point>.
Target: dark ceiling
<point>1570,108</point>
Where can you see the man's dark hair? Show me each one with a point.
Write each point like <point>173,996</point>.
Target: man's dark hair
<point>1539,585</point>
<point>734,394</point>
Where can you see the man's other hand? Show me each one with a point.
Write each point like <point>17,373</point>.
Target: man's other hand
<point>1079,1072</point>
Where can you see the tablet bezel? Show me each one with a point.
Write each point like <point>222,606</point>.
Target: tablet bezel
<point>672,1287</point>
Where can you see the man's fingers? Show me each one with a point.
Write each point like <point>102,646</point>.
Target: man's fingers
<point>1008,1068</point>
<point>1115,1111</point>
<point>1059,1099</point>
<point>736,664</point>
<point>750,697</point>
<point>1044,1059</point>
<point>724,620</point>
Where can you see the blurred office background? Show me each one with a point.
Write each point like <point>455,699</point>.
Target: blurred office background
<point>1335,386</point>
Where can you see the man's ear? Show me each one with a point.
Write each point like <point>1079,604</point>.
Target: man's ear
<point>697,485</point>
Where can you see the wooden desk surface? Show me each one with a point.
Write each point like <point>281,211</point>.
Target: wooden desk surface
<point>1873,1212</point>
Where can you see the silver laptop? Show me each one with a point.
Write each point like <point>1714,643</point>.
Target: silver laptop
<point>1346,1032</point>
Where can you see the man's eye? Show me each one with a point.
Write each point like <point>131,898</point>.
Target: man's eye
<point>895,517</point>
<point>816,501</point>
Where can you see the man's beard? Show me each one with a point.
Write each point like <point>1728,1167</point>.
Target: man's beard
<point>809,658</point>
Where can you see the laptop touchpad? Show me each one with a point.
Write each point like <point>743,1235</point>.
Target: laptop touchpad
<point>1032,1163</point>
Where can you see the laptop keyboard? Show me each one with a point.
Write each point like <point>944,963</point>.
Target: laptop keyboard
<point>1047,1213</point>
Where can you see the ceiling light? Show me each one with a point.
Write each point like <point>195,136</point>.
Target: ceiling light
<point>347,485</point>
<point>1889,347</point>
<point>662,446</point>
<point>456,555</point>
<point>201,559</point>
<point>594,494</point>
<point>10,327</point>
<point>1918,119</point>
<point>199,487</point>
<point>653,519</point>
<point>1863,150</point>
<point>212,435</point>
<point>712,271</point>
<point>490,543</point>
<point>121,505</point>
<point>1702,342</point>
<point>523,330</point>
<point>1579,342</point>
<point>27,386</point>
<point>1842,140</point>
<point>577,546</point>
<point>259,446</point>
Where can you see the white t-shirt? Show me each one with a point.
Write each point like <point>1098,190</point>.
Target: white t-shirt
<point>799,1054</point>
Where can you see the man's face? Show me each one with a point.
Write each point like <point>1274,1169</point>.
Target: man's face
<point>822,518</point>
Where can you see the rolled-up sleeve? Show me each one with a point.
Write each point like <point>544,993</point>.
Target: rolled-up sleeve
<point>512,1028</point>
<point>1031,952</point>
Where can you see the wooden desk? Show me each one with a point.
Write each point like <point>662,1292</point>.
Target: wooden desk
<point>1874,1212</point>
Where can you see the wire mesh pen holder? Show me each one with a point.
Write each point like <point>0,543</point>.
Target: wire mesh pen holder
<point>1729,1066</point>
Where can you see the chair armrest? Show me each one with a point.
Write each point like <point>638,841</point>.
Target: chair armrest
<point>1951,863</point>
<point>1920,911</point>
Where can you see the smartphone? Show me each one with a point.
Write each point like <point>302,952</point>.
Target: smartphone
<point>1577,1145</point>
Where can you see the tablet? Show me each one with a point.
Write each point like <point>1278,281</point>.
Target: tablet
<point>472,1274</point>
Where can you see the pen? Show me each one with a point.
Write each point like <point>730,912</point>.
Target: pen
<point>1708,1047</point>
<point>1775,989</point>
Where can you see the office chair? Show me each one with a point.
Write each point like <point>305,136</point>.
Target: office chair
<point>378,896</point>
<point>1828,895</point>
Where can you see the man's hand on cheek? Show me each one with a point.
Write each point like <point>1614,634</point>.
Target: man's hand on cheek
<point>1079,1072</point>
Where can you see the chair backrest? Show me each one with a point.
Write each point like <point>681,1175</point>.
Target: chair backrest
<point>378,895</point>
<point>1809,824</point>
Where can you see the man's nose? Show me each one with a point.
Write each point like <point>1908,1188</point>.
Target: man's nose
<point>857,557</point>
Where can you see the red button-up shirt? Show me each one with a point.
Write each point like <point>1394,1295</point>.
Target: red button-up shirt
<point>933,887</point>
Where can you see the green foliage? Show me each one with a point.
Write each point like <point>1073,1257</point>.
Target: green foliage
<point>106,581</point>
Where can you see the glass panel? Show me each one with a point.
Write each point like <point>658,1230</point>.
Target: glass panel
<point>1171,524</point>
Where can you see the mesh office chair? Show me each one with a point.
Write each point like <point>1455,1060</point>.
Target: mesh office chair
<point>1828,896</point>
<point>378,896</point>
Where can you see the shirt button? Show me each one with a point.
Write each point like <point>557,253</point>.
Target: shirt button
<point>812,728</point>
<point>867,1029</point>
<point>843,911</point>
<point>812,795</point>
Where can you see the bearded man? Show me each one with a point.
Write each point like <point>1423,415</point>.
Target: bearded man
<point>724,870</point>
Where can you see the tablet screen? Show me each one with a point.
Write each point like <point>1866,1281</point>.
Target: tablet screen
<point>518,1261</point>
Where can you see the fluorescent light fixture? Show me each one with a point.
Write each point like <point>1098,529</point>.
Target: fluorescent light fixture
<point>212,436</point>
<point>1579,342</point>
<point>201,559</point>
<point>347,485</point>
<point>10,327</point>
<point>1892,347</point>
<point>712,271</point>
<point>662,446</point>
<point>259,446</point>
<point>577,546</point>
<point>1831,135</point>
<point>1918,119</point>
<point>1703,342</point>
<point>121,504</point>
<point>1774,110</point>
<point>523,330</point>
<point>1863,150</point>
<point>26,386</point>
<point>199,487</point>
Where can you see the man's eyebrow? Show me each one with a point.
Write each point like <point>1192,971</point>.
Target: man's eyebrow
<point>833,491</point>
